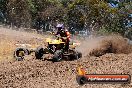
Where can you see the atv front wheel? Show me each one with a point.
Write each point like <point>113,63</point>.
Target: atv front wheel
<point>20,53</point>
<point>39,53</point>
<point>58,55</point>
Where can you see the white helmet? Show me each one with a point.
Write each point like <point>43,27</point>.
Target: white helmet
<point>60,26</point>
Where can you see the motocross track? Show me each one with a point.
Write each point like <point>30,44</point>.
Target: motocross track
<point>32,73</point>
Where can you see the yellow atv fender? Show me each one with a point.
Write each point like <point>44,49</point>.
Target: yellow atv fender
<point>51,41</point>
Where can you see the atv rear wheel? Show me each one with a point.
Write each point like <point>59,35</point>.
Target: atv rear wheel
<point>58,55</point>
<point>20,53</point>
<point>79,54</point>
<point>39,53</point>
<point>76,55</point>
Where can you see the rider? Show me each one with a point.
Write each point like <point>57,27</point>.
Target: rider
<point>65,35</point>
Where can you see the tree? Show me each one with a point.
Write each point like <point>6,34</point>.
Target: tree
<point>18,13</point>
<point>3,9</point>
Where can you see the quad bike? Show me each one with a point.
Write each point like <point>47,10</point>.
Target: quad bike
<point>55,47</point>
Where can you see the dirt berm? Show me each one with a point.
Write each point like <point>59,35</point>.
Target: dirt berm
<point>111,44</point>
<point>32,73</point>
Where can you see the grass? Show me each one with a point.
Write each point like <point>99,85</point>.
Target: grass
<point>6,48</point>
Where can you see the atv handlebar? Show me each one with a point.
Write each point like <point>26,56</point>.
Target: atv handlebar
<point>58,36</point>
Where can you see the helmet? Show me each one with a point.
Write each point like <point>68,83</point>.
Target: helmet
<point>60,26</point>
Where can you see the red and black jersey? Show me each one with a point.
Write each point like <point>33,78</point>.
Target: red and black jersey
<point>64,33</point>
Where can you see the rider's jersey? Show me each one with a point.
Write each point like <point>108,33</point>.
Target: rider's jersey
<point>64,34</point>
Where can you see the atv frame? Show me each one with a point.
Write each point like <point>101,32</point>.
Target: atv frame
<point>55,47</point>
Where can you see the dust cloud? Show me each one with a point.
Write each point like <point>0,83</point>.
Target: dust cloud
<point>98,46</point>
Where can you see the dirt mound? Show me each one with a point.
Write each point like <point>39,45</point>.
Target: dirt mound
<point>111,44</point>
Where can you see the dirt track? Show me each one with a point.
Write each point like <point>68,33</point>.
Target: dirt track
<point>32,73</point>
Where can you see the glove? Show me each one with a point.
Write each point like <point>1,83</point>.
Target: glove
<point>58,36</point>
<point>64,38</point>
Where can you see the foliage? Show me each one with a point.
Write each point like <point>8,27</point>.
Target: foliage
<point>93,15</point>
<point>3,5</point>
